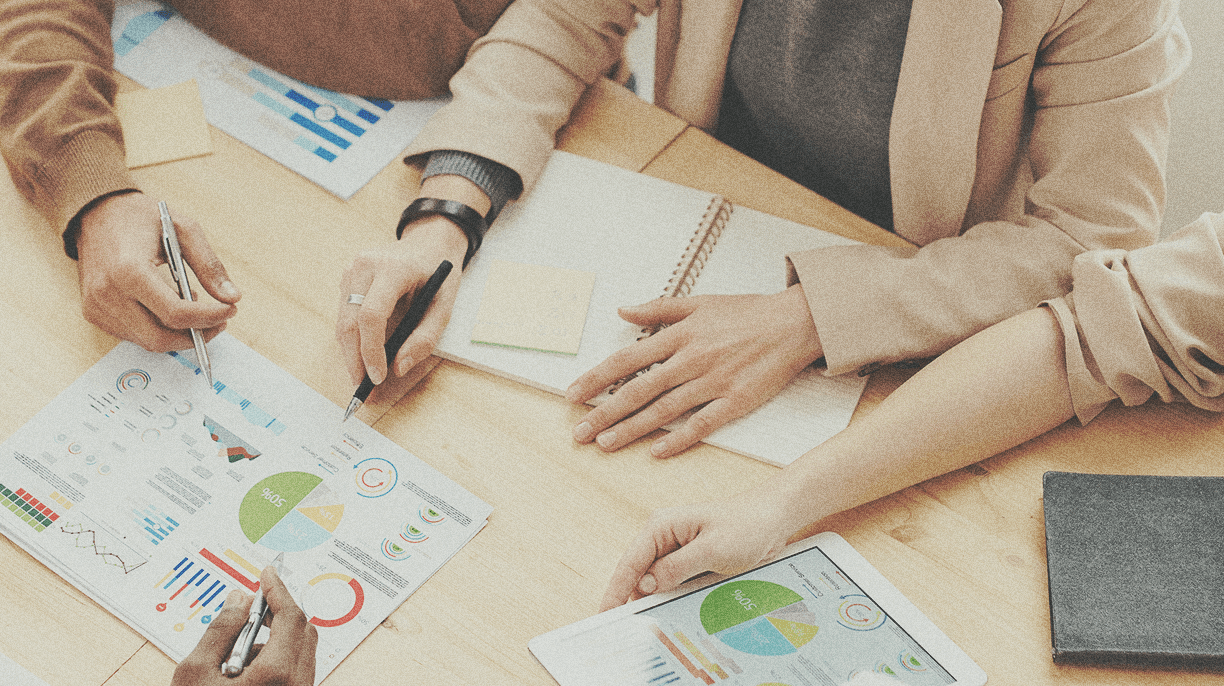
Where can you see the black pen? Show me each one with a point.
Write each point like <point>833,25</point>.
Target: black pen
<point>416,311</point>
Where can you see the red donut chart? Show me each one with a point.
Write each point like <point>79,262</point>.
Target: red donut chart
<point>358,601</point>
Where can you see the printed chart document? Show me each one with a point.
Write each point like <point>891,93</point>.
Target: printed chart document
<point>13,674</point>
<point>157,495</point>
<point>338,141</point>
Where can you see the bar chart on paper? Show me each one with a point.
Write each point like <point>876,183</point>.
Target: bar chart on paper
<point>337,141</point>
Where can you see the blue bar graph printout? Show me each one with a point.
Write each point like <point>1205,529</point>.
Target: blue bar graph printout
<point>347,138</point>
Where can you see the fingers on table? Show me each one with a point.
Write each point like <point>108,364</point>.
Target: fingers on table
<point>655,541</point>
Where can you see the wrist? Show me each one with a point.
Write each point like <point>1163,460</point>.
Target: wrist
<point>466,219</point>
<point>799,315</point>
<point>88,215</point>
<point>439,231</point>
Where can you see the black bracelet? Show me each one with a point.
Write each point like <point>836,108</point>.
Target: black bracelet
<point>467,219</point>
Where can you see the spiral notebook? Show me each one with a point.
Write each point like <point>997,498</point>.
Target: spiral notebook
<point>644,238</point>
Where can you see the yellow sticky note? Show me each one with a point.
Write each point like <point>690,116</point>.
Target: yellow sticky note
<point>163,124</point>
<point>534,307</point>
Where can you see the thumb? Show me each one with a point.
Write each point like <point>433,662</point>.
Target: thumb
<point>204,262</point>
<point>659,311</point>
<point>674,569</point>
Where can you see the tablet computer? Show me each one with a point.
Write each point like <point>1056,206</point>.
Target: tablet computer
<point>819,614</point>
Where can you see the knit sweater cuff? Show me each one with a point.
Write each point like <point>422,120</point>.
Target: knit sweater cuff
<point>88,166</point>
<point>501,183</point>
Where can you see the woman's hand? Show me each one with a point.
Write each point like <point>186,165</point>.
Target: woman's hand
<point>723,354</point>
<point>386,275</point>
<point>124,291</point>
<point>679,543</point>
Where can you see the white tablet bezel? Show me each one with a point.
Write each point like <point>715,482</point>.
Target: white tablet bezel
<point>552,651</point>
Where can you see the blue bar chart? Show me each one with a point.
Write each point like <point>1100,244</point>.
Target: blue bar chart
<point>336,140</point>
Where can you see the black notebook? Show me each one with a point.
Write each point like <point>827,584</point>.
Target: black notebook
<point>1136,568</point>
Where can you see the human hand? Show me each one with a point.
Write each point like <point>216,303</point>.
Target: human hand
<point>288,658</point>
<point>679,543</point>
<point>126,294</point>
<point>728,353</point>
<point>385,276</point>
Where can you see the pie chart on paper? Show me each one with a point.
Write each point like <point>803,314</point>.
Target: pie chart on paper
<point>290,512</point>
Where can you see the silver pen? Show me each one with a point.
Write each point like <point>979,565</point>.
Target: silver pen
<point>178,270</point>
<point>246,638</point>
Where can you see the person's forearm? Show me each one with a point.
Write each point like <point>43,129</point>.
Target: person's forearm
<point>60,134</point>
<point>992,392</point>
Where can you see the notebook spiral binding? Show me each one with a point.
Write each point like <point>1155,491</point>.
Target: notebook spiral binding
<point>689,267</point>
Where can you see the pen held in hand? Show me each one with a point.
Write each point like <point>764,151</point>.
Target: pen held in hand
<point>416,312</point>
<point>178,270</point>
<point>246,638</point>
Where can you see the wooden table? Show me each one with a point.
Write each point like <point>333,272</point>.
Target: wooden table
<point>967,547</point>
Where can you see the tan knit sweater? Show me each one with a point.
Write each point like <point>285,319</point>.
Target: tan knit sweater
<point>58,130</point>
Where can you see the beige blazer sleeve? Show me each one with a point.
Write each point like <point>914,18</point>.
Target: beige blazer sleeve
<point>521,81</point>
<point>1148,321</point>
<point>1097,98</point>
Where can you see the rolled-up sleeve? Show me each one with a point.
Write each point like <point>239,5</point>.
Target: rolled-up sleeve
<point>1147,321</point>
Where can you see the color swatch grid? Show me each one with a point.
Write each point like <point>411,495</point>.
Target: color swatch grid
<point>26,506</point>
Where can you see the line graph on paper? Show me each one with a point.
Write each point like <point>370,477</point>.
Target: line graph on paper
<point>89,540</point>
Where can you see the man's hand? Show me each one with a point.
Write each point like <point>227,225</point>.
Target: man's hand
<point>288,659</point>
<point>681,542</point>
<point>124,291</point>
<point>724,354</point>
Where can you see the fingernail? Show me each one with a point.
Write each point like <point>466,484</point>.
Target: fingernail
<point>377,376</point>
<point>228,289</point>
<point>233,597</point>
<point>582,432</point>
<point>659,449</point>
<point>606,440</point>
<point>647,584</point>
<point>569,394</point>
<point>404,366</point>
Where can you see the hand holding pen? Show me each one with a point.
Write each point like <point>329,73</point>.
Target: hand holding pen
<point>123,286</point>
<point>421,301</point>
<point>288,658</point>
<point>178,271</point>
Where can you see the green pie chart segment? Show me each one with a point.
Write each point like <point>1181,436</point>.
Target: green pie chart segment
<point>741,601</point>
<point>271,500</point>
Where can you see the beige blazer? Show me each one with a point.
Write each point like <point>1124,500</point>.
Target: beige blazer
<point>1147,322</point>
<point>1029,131</point>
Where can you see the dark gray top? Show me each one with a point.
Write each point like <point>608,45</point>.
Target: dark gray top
<point>810,90</point>
<point>809,93</point>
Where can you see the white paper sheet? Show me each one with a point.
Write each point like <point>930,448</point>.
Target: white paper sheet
<point>157,495</point>
<point>13,674</point>
<point>338,141</point>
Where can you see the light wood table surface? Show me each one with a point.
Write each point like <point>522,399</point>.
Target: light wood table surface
<point>967,547</point>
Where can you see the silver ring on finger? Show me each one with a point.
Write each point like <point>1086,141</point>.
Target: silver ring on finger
<point>356,299</point>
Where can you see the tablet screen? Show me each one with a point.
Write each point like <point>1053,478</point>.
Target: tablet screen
<point>818,616</point>
<point>799,620</point>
